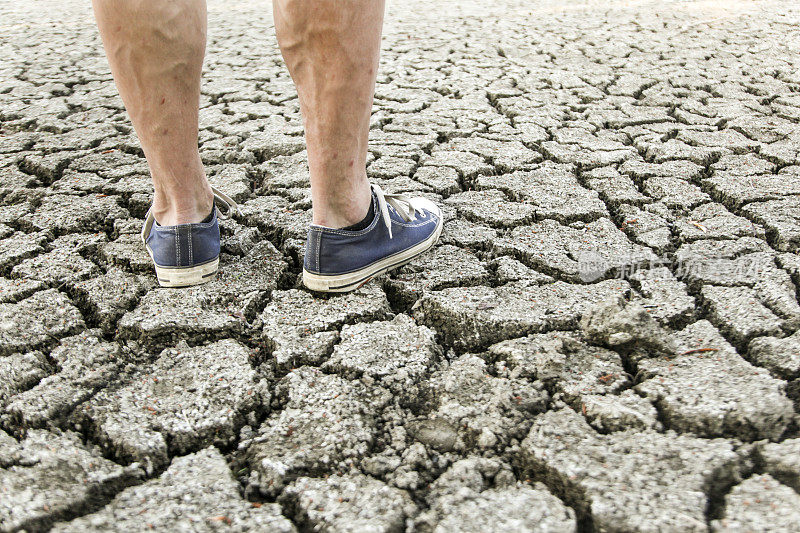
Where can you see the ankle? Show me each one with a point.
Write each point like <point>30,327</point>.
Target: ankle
<point>184,210</point>
<point>341,213</point>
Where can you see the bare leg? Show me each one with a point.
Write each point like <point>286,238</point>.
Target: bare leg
<point>331,48</point>
<point>156,51</point>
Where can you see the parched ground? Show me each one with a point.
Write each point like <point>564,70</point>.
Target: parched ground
<point>606,338</point>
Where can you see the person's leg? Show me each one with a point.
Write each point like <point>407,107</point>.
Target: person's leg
<point>331,48</point>
<point>155,49</point>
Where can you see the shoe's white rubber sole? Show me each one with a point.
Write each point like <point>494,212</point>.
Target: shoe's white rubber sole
<point>353,280</point>
<point>187,276</point>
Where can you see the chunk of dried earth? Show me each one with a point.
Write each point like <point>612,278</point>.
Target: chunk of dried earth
<point>553,190</point>
<point>709,390</point>
<point>481,411</point>
<point>476,495</point>
<point>780,355</point>
<point>37,321</point>
<point>83,364</point>
<point>443,266</point>
<point>347,503</point>
<point>327,424</point>
<point>396,353</point>
<point>196,493</point>
<point>61,213</point>
<point>21,371</point>
<point>781,461</point>
<point>587,254</point>
<point>55,477</point>
<point>302,328</point>
<point>619,480</point>
<point>470,318</point>
<point>625,325</point>
<point>188,398</point>
<point>760,503</point>
<point>111,295</point>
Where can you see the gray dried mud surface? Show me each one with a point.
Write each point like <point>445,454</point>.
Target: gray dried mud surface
<point>606,338</point>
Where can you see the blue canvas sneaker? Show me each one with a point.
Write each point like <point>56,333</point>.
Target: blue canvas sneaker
<point>338,260</point>
<point>186,254</point>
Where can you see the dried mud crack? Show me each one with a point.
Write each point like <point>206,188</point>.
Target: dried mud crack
<point>605,339</point>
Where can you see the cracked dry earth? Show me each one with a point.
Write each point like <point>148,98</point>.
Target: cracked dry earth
<point>606,339</point>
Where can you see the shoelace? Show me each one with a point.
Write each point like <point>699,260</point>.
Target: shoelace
<point>400,202</point>
<point>219,198</point>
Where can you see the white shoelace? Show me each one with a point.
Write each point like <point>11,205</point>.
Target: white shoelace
<point>400,202</point>
<point>219,198</point>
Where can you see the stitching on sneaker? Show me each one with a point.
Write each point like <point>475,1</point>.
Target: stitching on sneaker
<point>312,252</point>
<point>318,246</point>
<point>189,238</point>
<point>413,225</point>
<point>177,248</point>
